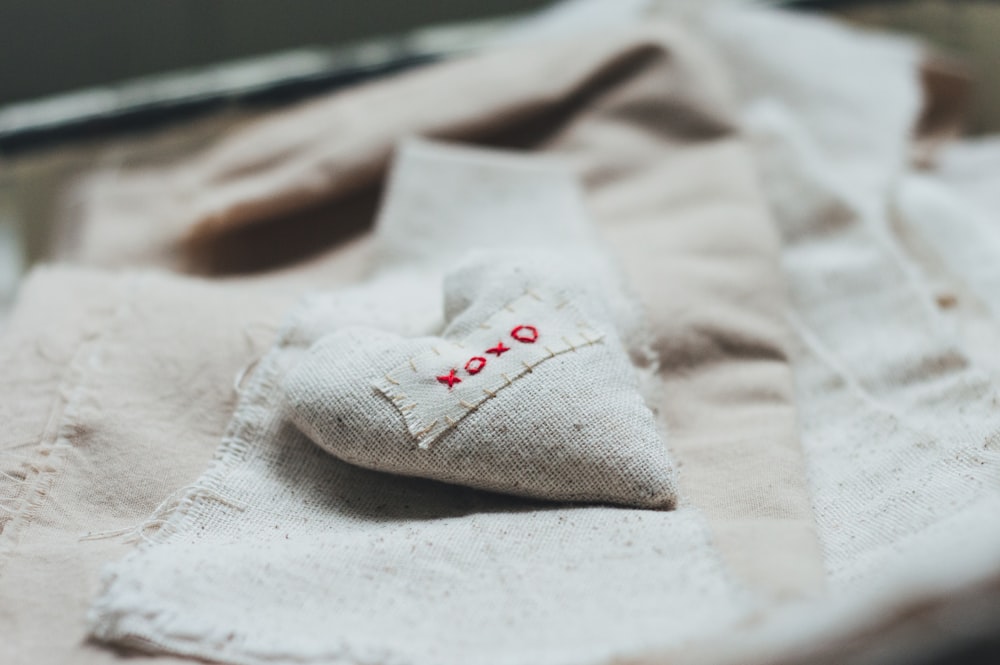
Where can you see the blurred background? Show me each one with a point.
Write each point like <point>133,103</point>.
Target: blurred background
<point>56,46</point>
<point>73,45</point>
<point>82,84</point>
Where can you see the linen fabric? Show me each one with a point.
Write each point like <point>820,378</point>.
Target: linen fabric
<point>722,323</point>
<point>646,121</point>
<point>432,591</point>
<point>527,391</point>
<point>103,423</point>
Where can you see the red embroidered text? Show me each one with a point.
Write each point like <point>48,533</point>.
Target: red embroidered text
<point>475,365</point>
<point>526,334</point>
<point>499,349</point>
<point>450,379</point>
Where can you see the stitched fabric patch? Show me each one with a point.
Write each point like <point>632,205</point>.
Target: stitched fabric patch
<point>436,389</point>
<point>528,390</point>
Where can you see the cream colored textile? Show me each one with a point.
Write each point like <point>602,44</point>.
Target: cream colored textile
<point>528,390</point>
<point>676,201</point>
<point>906,478</point>
<point>644,118</point>
<point>899,428</point>
<point>104,419</point>
<point>446,575</point>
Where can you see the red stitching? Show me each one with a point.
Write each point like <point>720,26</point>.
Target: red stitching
<point>521,337</point>
<point>476,364</point>
<point>499,349</point>
<point>480,364</point>
<point>450,379</point>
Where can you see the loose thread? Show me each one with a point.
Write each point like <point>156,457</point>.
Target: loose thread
<point>157,517</point>
<point>13,479</point>
<point>426,430</point>
<point>243,374</point>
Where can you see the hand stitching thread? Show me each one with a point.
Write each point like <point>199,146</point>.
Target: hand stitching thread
<point>525,334</point>
<point>426,430</point>
<point>476,368</point>
<point>533,295</point>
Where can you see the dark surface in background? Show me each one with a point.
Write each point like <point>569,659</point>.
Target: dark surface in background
<point>142,116</point>
<point>51,46</point>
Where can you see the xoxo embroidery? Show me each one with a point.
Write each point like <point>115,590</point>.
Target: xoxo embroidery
<point>435,389</point>
<point>498,350</point>
<point>476,364</point>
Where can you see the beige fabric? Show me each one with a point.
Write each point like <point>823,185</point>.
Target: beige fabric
<point>678,203</point>
<point>107,414</point>
<point>832,355</point>
<point>904,605</point>
<point>899,426</point>
<point>453,576</point>
<point>528,390</point>
<point>101,423</point>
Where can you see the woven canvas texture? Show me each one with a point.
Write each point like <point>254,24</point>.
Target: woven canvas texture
<point>284,553</point>
<point>527,391</point>
<point>899,428</point>
<point>354,565</point>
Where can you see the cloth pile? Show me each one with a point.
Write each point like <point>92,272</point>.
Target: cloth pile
<point>713,296</point>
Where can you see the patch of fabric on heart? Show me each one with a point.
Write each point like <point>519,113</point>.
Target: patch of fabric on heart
<point>434,390</point>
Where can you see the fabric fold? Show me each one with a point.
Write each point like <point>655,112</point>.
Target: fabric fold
<point>528,390</point>
<point>646,123</point>
<point>498,585</point>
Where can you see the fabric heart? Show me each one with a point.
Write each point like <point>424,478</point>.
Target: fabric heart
<point>528,391</point>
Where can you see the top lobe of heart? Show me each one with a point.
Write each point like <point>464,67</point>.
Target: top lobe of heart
<point>527,392</point>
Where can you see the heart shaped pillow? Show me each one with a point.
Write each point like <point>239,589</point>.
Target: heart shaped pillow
<point>527,391</point>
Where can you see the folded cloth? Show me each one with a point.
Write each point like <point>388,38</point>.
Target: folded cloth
<point>644,122</point>
<point>446,575</point>
<point>106,413</point>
